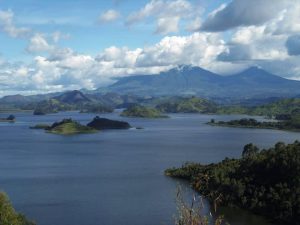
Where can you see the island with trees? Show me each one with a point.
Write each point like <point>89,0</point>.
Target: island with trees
<point>266,181</point>
<point>99,123</point>
<point>142,112</point>
<point>285,122</point>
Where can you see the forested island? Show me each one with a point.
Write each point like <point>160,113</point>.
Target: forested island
<point>284,122</point>
<point>142,112</point>
<point>266,181</point>
<point>99,123</point>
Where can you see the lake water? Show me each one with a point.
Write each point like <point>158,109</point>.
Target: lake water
<point>117,176</point>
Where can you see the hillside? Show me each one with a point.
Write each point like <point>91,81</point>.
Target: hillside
<point>73,100</point>
<point>187,105</point>
<point>142,112</point>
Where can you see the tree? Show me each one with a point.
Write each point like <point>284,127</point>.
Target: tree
<point>249,150</point>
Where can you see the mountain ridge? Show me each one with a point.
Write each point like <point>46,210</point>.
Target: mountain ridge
<point>189,80</point>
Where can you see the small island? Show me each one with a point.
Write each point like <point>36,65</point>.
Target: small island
<point>10,118</point>
<point>290,124</point>
<point>69,126</point>
<point>263,181</point>
<point>142,112</point>
<point>104,124</point>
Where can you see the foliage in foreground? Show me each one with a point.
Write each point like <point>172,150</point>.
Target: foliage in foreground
<point>8,215</point>
<point>266,182</point>
<point>191,214</point>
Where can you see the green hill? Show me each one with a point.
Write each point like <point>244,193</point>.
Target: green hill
<point>143,112</point>
<point>187,105</point>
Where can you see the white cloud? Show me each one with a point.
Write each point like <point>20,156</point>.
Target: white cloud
<point>194,24</point>
<point>57,36</point>
<point>109,16</point>
<point>197,49</point>
<point>167,25</point>
<point>7,25</point>
<point>38,43</point>
<point>167,13</point>
<point>243,13</point>
<point>65,69</point>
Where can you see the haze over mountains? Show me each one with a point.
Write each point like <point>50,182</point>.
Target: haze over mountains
<point>253,83</point>
<point>187,80</point>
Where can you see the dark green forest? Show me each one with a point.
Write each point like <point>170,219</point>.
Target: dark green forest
<point>266,181</point>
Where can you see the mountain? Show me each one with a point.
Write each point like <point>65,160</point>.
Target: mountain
<point>255,82</point>
<point>21,100</point>
<point>188,80</point>
<point>72,97</point>
<point>181,80</point>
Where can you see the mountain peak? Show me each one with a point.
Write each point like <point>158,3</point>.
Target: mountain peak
<point>74,96</point>
<point>189,70</point>
<point>254,69</point>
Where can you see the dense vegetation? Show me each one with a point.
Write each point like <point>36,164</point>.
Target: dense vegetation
<point>143,112</point>
<point>286,122</point>
<point>280,107</point>
<point>187,105</point>
<point>191,213</point>
<point>68,126</point>
<point>103,123</point>
<point>8,215</point>
<point>266,182</point>
<point>51,106</point>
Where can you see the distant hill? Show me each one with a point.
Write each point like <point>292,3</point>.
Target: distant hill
<point>188,80</point>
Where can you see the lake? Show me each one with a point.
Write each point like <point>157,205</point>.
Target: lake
<point>116,176</point>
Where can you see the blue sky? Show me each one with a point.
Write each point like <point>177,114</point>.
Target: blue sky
<point>59,45</point>
<point>79,19</point>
